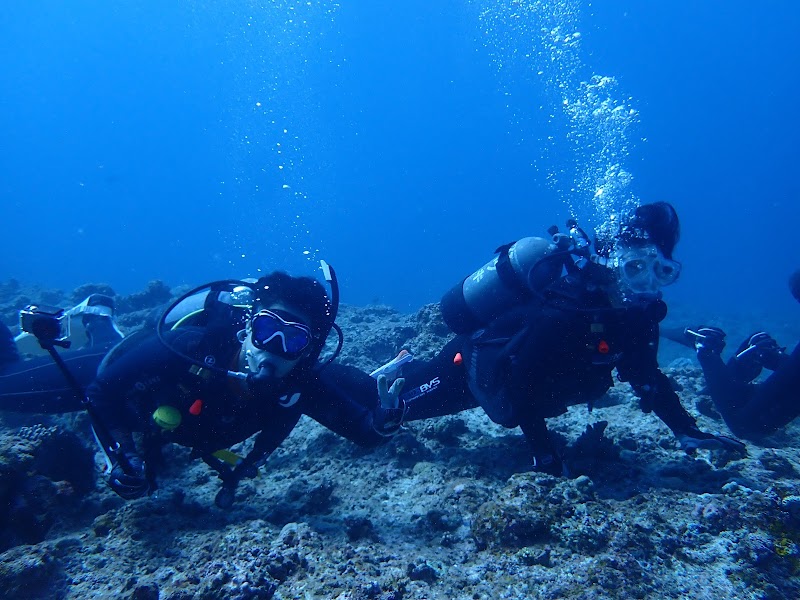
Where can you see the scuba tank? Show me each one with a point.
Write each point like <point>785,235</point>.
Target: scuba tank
<point>519,273</point>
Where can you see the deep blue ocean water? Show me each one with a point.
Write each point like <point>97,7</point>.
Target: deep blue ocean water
<point>402,142</point>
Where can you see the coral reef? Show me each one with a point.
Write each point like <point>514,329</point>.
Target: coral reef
<point>447,509</point>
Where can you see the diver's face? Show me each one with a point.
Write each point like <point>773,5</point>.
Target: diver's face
<point>278,337</point>
<point>644,270</point>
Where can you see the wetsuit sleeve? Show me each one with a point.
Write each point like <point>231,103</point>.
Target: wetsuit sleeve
<point>270,438</point>
<point>123,393</point>
<point>342,399</point>
<point>439,386</point>
<point>639,367</point>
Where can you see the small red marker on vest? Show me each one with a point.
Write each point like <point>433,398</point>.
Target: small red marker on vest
<point>602,347</point>
<point>458,359</point>
<point>196,408</point>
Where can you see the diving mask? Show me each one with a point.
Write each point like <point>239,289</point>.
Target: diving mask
<point>272,333</point>
<point>644,269</point>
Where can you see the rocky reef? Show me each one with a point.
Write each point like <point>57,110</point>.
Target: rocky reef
<point>448,509</point>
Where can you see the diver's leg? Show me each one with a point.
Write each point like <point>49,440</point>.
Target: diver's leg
<point>437,387</point>
<point>544,454</point>
<point>38,386</point>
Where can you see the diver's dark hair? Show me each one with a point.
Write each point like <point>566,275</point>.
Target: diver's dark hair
<point>655,223</point>
<point>794,284</point>
<point>305,294</point>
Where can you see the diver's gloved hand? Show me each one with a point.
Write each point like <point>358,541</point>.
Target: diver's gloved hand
<point>226,495</point>
<point>693,439</point>
<point>387,418</point>
<point>131,485</point>
<point>706,338</point>
<point>761,348</point>
<point>390,396</point>
<point>230,481</point>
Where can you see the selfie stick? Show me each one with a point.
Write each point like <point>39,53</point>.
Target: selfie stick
<point>110,447</point>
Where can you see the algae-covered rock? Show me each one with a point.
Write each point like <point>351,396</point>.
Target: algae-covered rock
<point>156,294</point>
<point>79,294</point>
<point>43,470</point>
<point>27,572</point>
<point>521,515</point>
<point>328,520</point>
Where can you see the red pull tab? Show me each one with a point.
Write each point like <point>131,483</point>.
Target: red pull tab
<point>458,359</point>
<point>602,347</point>
<point>196,408</point>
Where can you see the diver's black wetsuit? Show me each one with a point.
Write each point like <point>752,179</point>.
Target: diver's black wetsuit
<point>37,385</point>
<point>536,360</point>
<point>753,409</point>
<point>147,375</point>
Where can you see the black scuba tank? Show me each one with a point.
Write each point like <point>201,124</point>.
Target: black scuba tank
<point>515,275</point>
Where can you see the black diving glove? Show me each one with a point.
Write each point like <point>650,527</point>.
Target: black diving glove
<point>693,438</point>
<point>131,485</point>
<point>230,481</point>
<point>706,338</point>
<point>226,495</point>
<point>387,418</point>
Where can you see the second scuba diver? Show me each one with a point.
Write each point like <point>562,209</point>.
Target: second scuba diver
<point>543,325</point>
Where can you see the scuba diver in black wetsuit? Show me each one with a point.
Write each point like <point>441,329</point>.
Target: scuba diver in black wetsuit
<point>37,385</point>
<point>543,325</point>
<point>246,361</point>
<point>751,410</point>
<point>225,361</point>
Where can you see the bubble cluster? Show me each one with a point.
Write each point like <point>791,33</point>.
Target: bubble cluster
<point>589,123</point>
<point>273,51</point>
<point>599,124</point>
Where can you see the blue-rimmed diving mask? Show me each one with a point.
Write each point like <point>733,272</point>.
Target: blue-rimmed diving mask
<point>272,333</point>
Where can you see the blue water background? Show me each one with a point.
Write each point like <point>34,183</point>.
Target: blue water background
<point>189,141</point>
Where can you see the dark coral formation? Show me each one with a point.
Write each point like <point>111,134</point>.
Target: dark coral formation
<point>44,471</point>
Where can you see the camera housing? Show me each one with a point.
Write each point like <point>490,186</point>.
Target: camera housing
<point>46,323</point>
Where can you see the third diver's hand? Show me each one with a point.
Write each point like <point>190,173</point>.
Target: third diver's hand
<point>761,349</point>
<point>388,415</point>
<point>706,338</point>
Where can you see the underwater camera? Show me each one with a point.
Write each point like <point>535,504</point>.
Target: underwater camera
<point>46,323</point>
